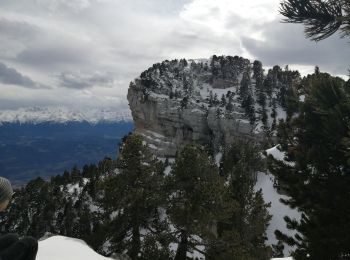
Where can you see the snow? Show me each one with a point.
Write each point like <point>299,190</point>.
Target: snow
<point>281,114</point>
<point>218,158</point>
<point>302,98</point>
<point>277,154</point>
<point>60,247</point>
<point>159,96</point>
<point>154,134</point>
<point>76,188</point>
<point>152,146</point>
<point>278,210</point>
<point>38,115</point>
<point>167,170</point>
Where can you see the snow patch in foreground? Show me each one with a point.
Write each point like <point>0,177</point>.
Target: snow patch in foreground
<point>60,247</point>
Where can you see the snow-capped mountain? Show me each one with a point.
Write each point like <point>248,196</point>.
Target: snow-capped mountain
<point>36,115</point>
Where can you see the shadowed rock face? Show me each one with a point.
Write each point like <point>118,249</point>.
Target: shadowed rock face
<point>175,103</point>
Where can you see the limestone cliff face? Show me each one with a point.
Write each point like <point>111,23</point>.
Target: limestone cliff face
<point>211,102</point>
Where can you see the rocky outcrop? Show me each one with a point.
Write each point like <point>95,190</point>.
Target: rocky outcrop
<point>167,127</point>
<point>178,102</point>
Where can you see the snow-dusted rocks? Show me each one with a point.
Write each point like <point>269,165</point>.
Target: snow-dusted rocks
<point>177,102</point>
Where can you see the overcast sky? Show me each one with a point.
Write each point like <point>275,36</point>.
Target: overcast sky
<point>85,52</point>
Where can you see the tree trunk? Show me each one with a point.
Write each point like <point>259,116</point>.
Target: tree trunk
<point>182,248</point>
<point>135,243</point>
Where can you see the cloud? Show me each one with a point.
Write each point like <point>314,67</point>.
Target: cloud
<point>11,76</point>
<point>52,55</point>
<point>79,81</point>
<point>18,30</point>
<point>91,49</point>
<point>286,44</point>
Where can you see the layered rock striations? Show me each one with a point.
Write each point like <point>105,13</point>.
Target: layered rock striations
<point>211,102</point>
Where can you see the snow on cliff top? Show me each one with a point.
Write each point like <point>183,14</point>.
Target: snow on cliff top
<point>38,115</point>
<point>60,247</point>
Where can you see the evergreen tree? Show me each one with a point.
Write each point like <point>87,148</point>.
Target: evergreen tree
<point>248,105</point>
<point>195,202</point>
<point>258,74</point>
<point>246,229</point>
<point>245,85</point>
<point>319,182</point>
<point>134,196</point>
<point>75,175</point>
<point>223,101</point>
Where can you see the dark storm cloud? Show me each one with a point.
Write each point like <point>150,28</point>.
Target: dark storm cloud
<point>52,55</point>
<point>11,76</point>
<point>78,81</point>
<point>286,44</point>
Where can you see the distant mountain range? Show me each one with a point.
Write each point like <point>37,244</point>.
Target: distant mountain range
<point>38,115</point>
<point>46,141</point>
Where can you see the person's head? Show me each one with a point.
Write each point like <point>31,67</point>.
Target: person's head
<point>6,193</point>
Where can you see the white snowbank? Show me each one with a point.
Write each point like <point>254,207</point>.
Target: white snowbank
<point>60,247</point>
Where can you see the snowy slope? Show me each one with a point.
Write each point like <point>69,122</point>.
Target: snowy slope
<point>278,210</point>
<point>60,247</point>
<point>38,115</point>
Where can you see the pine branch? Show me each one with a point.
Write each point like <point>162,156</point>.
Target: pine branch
<point>321,18</point>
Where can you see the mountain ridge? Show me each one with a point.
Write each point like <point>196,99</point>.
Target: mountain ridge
<point>62,115</point>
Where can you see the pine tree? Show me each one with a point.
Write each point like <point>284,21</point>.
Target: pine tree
<point>195,202</point>
<point>318,184</point>
<point>248,105</point>
<point>223,101</point>
<point>258,74</point>
<point>246,229</point>
<point>134,195</point>
<point>75,175</point>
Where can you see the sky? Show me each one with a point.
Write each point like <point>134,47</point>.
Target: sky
<point>84,53</point>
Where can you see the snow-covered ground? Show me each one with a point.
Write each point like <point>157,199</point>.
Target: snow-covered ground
<point>276,153</point>
<point>278,210</point>
<point>65,248</point>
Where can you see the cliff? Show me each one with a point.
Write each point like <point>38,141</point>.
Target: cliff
<point>211,102</point>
